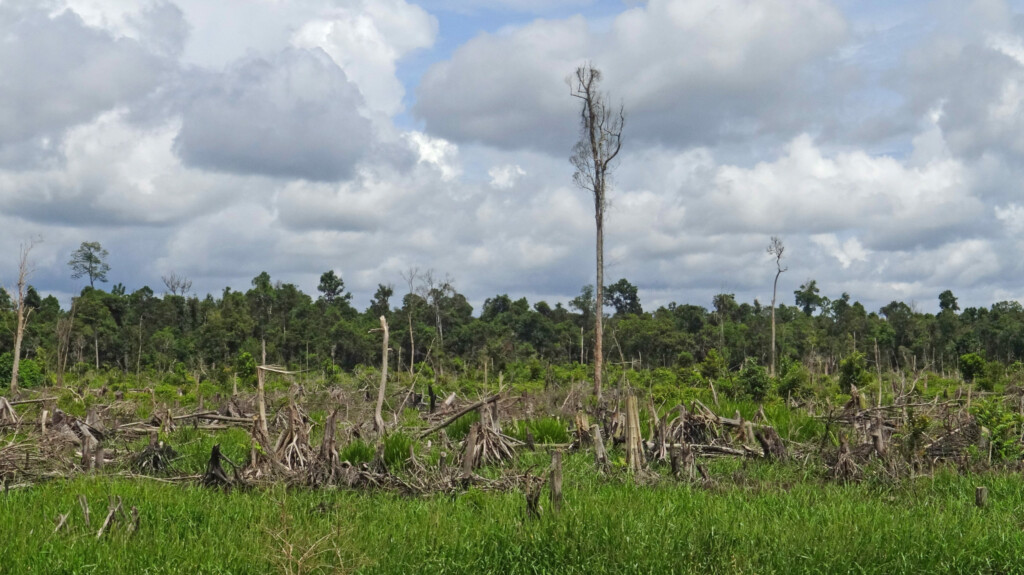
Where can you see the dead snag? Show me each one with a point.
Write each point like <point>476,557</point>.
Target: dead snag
<point>634,454</point>
<point>215,475</point>
<point>600,455</point>
<point>292,447</point>
<point>771,443</point>
<point>469,455</point>
<point>532,488</point>
<point>845,468</point>
<point>683,460</point>
<point>324,470</point>
<point>556,480</point>
<point>529,440</point>
<point>433,397</point>
<point>582,433</point>
<point>155,457</point>
<point>378,420</point>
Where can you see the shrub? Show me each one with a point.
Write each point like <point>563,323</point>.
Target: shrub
<point>544,430</point>
<point>1004,428</point>
<point>460,427</point>
<point>357,452</point>
<point>853,371</point>
<point>753,381</point>
<point>30,374</point>
<point>396,450</point>
<point>245,368</point>
<point>971,366</point>
<point>794,379</point>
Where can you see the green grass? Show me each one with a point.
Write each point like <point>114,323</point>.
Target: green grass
<point>760,518</point>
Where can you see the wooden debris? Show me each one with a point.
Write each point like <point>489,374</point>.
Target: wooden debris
<point>600,455</point>
<point>460,413</point>
<point>215,475</point>
<point>112,509</point>
<point>634,453</point>
<point>556,481</point>
<point>7,414</point>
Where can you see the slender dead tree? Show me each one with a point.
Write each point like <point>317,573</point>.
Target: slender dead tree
<point>599,144</point>
<point>24,271</point>
<point>775,248</point>
<point>378,419</point>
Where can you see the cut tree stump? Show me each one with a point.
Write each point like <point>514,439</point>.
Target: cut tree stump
<point>556,480</point>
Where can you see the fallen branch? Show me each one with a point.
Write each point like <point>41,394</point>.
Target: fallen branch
<point>461,412</point>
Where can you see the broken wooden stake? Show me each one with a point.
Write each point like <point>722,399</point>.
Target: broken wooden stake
<point>84,503</point>
<point>112,508</point>
<point>981,496</point>
<point>556,480</point>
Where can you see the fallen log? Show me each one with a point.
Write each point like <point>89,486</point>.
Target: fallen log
<point>460,413</point>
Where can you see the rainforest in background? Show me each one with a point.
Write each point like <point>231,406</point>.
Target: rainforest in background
<point>825,344</point>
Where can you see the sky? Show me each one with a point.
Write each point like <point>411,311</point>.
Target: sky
<point>882,141</point>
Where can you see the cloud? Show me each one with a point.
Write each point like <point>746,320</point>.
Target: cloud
<point>688,71</point>
<point>367,40</point>
<point>117,173</point>
<point>58,72</point>
<point>505,176</point>
<point>294,114</point>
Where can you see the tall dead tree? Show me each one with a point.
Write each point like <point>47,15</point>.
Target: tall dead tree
<point>378,419</point>
<point>23,311</point>
<point>599,144</point>
<point>775,248</point>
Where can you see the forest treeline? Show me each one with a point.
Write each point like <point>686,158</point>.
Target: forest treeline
<point>434,330</point>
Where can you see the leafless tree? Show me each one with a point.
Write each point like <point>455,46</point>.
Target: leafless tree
<point>64,325</point>
<point>25,270</point>
<point>775,248</point>
<point>410,278</point>
<point>177,285</point>
<point>599,144</point>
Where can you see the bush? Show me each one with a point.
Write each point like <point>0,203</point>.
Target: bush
<point>30,374</point>
<point>754,381</point>
<point>460,427</point>
<point>544,430</point>
<point>853,371</point>
<point>396,450</point>
<point>1004,428</point>
<point>245,368</point>
<point>794,379</point>
<point>357,452</point>
<point>971,366</point>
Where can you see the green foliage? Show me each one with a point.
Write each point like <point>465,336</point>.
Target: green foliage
<point>853,371</point>
<point>544,430</point>
<point>1004,428</point>
<point>753,381</point>
<point>396,450</point>
<point>773,519</point>
<point>794,379</point>
<point>245,368</point>
<point>30,373</point>
<point>713,366</point>
<point>357,452</point>
<point>460,427</point>
<point>6,367</point>
<point>971,366</point>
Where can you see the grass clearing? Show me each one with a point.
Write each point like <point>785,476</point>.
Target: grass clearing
<point>758,518</point>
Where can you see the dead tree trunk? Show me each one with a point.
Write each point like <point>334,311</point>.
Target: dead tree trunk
<point>378,419</point>
<point>23,312</point>
<point>556,480</point>
<point>634,454</point>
